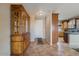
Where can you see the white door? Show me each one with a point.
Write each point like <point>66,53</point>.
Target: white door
<point>39,29</point>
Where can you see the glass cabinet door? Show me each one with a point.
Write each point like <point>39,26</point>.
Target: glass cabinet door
<point>77,23</point>
<point>71,23</point>
<point>65,25</point>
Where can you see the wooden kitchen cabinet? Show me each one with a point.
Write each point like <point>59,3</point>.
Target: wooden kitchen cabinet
<point>65,28</point>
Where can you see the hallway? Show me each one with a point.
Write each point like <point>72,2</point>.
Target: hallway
<point>46,50</point>
<point>22,24</point>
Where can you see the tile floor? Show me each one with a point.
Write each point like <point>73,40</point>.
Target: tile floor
<point>61,49</point>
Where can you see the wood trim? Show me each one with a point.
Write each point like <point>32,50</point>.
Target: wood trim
<point>55,28</point>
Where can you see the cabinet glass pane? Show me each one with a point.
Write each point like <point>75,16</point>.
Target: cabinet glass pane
<point>71,23</point>
<point>77,23</point>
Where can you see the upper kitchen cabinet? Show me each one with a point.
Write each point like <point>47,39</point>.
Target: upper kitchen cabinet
<point>64,25</point>
<point>71,23</point>
<point>77,22</point>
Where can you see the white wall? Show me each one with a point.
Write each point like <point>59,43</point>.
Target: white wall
<point>4,29</point>
<point>32,25</point>
<point>48,28</point>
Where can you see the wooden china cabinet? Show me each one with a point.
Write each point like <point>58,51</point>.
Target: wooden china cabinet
<point>20,35</point>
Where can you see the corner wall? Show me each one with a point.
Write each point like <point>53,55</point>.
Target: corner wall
<point>4,29</point>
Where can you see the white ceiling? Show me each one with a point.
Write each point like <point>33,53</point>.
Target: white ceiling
<point>65,10</point>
